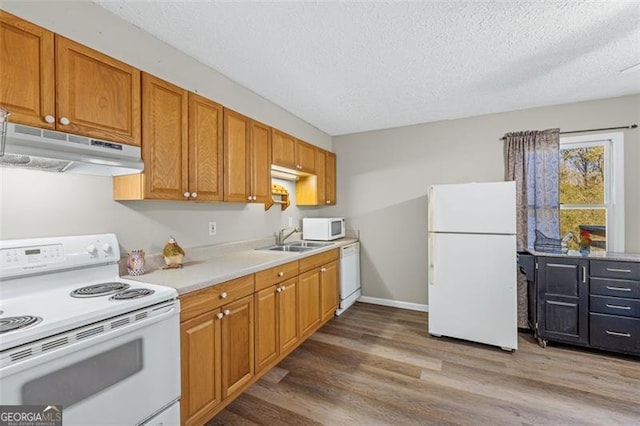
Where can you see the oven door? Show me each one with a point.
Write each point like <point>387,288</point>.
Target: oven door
<point>119,377</point>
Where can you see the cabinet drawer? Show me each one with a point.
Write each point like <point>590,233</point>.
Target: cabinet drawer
<point>616,333</point>
<point>318,260</point>
<point>615,306</point>
<point>618,288</point>
<point>611,269</point>
<point>199,302</point>
<point>275,275</point>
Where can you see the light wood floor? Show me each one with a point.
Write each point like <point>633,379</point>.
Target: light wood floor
<point>378,365</point>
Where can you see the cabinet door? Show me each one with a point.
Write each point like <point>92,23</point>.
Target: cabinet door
<point>237,185</point>
<point>237,345</point>
<point>283,149</point>
<point>266,326</point>
<point>165,144</point>
<point>309,313</point>
<point>260,162</point>
<point>329,281</point>
<point>330,179</point>
<point>99,95</point>
<point>201,367</point>
<point>321,177</point>
<point>305,157</point>
<point>563,299</point>
<point>288,314</point>
<point>205,149</point>
<point>27,87</point>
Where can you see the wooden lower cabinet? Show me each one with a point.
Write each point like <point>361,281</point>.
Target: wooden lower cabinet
<point>276,321</point>
<point>237,345</point>
<point>201,367</point>
<point>309,301</point>
<point>217,358</point>
<point>233,333</point>
<point>329,289</point>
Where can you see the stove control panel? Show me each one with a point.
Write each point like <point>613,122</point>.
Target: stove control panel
<point>38,255</point>
<point>34,255</point>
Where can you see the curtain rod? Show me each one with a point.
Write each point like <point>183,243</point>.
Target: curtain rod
<point>631,126</point>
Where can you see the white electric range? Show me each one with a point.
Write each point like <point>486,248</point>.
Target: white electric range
<point>74,334</point>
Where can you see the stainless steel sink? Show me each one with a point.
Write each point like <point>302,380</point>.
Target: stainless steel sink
<point>314,244</point>
<point>297,246</point>
<point>287,247</point>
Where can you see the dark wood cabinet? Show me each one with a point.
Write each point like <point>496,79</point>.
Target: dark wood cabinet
<point>588,302</point>
<point>563,297</point>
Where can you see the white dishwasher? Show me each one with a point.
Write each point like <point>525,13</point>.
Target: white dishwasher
<point>349,276</point>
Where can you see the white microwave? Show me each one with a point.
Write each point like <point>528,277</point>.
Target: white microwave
<point>323,228</point>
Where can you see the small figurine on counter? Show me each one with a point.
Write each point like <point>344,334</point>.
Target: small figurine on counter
<point>173,254</point>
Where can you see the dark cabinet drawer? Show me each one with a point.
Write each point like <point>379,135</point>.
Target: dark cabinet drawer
<point>611,269</point>
<point>615,333</point>
<point>616,288</point>
<point>615,306</point>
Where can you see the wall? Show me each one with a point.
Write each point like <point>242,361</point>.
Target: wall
<point>37,203</point>
<point>383,178</point>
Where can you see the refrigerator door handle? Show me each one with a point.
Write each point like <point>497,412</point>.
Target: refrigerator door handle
<point>432,260</point>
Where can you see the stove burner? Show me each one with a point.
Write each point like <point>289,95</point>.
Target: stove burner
<point>14,323</point>
<point>101,289</point>
<point>134,293</point>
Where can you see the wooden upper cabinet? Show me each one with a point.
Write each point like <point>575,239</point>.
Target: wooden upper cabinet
<point>260,162</point>
<point>27,70</point>
<point>283,149</point>
<point>164,147</point>
<point>237,164</point>
<point>51,82</point>
<point>330,179</point>
<point>205,149</point>
<point>306,157</point>
<point>98,95</point>
<point>247,159</point>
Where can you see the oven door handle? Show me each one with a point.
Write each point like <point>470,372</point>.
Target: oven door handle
<point>163,312</point>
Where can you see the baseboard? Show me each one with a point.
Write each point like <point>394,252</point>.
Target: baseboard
<point>394,303</point>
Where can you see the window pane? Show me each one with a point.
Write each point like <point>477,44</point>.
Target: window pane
<point>582,175</point>
<point>592,220</point>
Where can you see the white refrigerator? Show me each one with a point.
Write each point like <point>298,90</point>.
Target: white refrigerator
<point>472,263</point>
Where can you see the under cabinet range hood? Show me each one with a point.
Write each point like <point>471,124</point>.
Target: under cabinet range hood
<point>34,148</point>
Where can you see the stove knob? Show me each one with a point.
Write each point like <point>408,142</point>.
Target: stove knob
<point>91,249</point>
<point>106,247</point>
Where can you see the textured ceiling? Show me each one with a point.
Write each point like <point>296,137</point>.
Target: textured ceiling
<point>348,66</point>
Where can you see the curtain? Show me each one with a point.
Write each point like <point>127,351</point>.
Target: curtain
<point>533,162</point>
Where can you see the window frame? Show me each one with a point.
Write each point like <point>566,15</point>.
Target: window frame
<point>613,181</point>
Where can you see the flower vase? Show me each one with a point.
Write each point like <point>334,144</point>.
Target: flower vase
<point>585,249</point>
<point>135,262</point>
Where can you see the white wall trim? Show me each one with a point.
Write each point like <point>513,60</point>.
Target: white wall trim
<point>394,303</point>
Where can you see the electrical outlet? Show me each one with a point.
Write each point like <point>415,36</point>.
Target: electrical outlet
<point>290,222</point>
<point>213,229</point>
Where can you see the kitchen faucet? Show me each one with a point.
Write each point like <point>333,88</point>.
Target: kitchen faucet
<point>281,236</point>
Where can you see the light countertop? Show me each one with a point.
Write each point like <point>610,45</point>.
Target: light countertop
<point>208,266</point>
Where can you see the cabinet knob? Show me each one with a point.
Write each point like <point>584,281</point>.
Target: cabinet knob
<point>194,194</point>
<point>323,269</point>
<point>186,195</point>
<point>328,201</point>
<point>281,274</point>
<point>219,315</point>
<point>64,121</point>
<point>223,295</point>
<point>249,198</point>
<point>227,312</point>
<point>49,119</point>
<point>279,289</point>
<point>255,198</point>
<point>283,288</point>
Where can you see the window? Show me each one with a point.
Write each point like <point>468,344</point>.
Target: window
<point>592,189</point>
